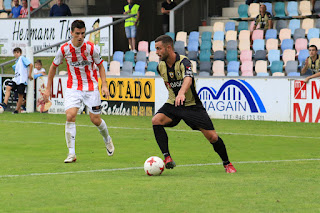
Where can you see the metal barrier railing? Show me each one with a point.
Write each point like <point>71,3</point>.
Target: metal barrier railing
<point>172,18</point>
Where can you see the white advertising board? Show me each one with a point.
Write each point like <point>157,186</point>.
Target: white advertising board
<point>49,31</point>
<point>239,99</point>
<point>305,101</point>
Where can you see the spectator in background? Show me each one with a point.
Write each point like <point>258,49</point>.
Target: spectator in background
<point>15,11</point>
<point>38,70</point>
<point>312,63</point>
<point>60,9</point>
<point>263,21</point>
<point>24,9</point>
<point>166,6</point>
<point>131,24</point>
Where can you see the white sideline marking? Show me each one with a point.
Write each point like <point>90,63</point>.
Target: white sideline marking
<point>168,129</point>
<point>136,168</point>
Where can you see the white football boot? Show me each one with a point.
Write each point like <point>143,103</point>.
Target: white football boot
<point>109,146</point>
<point>70,159</point>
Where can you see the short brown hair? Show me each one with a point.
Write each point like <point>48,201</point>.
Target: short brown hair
<point>165,39</point>
<point>17,49</point>
<point>38,62</point>
<point>77,24</point>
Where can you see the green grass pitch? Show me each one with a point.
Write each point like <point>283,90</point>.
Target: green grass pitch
<point>278,167</point>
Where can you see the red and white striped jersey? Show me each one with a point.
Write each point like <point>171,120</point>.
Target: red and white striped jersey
<point>81,63</point>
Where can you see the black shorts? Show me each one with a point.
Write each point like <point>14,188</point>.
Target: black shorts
<point>19,88</point>
<point>194,116</point>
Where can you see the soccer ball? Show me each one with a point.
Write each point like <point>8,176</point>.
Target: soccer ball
<point>154,166</point>
<point>1,109</point>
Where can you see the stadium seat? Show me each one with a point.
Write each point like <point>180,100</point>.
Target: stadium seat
<point>217,45</point>
<point>315,41</point>
<point>262,74</point>
<point>149,73</point>
<point>193,55</point>
<point>269,7</point>
<point>218,26</point>
<point>272,44</point>
<point>261,66</point>
<point>152,46</point>
<point>129,56</point>
<point>114,68</point>
<point>251,26</point>
<point>305,8</point>
<point>281,24</point>
<point>260,55</point>
<point>219,55</point>
<point>279,9</point>
<point>244,35</point>
<point>218,68</point>
<point>299,33</point>
<point>153,56</point>
<point>46,6</point>
<point>204,56</point>
<point>301,44</point>
<point>127,67</point>
<point>182,36</point>
<point>317,23</point>
<point>303,55</point>
<point>307,24</point>
<point>118,56</point>
<point>141,56</point>
<point>230,26</point>
<point>205,66</point>
<point>232,45</point>
<point>231,35</point>
<point>203,74</point>
<point>278,74</point>
<point>244,45</point>
<point>233,66</point>
<point>257,34</point>
<point>135,73</point>
<point>287,44</point>
<point>143,46</point>
<point>7,4</point>
<point>179,47</point>
<point>152,66</point>
<point>293,74</point>
<point>194,66</point>
<point>247,68</point>
<point>231,74</point>
<point>218,35</point>
<point>246,55</point>
<point>194,36</point>
<point>105,65</point>
<point>313,33</point>
<point>4,15</point>
<point>288,55</point>
<point>293,25</point>
<point>140,67</point>
<point>205,45</point>
<point>292,66</point>
<point>284,34</point>
<point>316,8</point>
<point>171,34</point>
<point>258,45</point>
<point>206,36</point>
<point>292,8</point>
<point>276,66</point>
<point>274,55</point>
<point>254,10</point>
<point>232,55</point>
<point>243,11</point>
<point>243,25</point>
<point>271,33</point>
<point>193,45</point>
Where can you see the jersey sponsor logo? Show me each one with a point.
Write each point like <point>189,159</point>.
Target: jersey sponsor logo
<point>80,64</point>
<point>233,95</point>
<point>175,84</point>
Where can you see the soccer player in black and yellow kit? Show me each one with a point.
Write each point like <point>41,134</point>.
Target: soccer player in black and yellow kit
<point>183,103</point>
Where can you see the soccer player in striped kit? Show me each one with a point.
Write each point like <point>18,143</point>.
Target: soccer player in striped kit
<point>82,59</point>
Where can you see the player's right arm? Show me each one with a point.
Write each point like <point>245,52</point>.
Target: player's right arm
<point>304,69</point>
<point>306,80</point>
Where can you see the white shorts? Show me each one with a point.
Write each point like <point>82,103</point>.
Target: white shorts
<point>75,98</point>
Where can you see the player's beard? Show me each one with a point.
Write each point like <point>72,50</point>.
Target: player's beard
<point>165,56</point>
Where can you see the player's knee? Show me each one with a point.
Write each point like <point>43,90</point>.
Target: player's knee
<point>71,118</point>
<point>156,121</point>
<point>213,138</point>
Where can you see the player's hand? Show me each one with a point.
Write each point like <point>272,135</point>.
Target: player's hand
<point>105,92</point>
<point>306,63</point>
<point>306,80</point>
<point>180,100</point>
<point>30,77</point>
<point>46,95</point>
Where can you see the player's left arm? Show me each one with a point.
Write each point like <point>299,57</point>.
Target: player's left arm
<point>187,81</point>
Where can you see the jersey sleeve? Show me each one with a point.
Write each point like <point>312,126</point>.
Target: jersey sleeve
<point>186,68</point>
<point>25,61</point>
<point>58,59</point>
<point>96,56</point>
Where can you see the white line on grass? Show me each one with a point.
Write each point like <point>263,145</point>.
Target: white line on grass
<point>136,168</point>
<point>173,130</point>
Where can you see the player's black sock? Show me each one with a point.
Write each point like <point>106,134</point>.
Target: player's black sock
<point>162,139</point>
<point>220,148</point>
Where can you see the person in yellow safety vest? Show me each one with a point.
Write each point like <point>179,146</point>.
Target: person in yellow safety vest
<point>312,63</point>
<point>131,23</point>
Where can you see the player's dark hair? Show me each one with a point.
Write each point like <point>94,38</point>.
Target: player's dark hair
<point>165,39</point>
<point>314,47</point>
<point>17,49</point>
<point>38,62</point>
<point>77,24</point>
